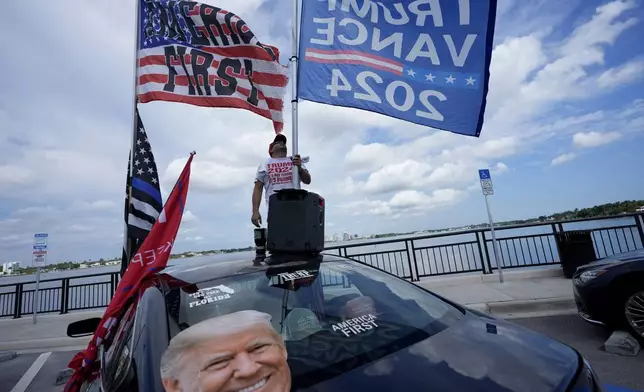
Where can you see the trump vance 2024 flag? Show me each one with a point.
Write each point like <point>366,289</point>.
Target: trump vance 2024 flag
<point>426,62</point>
<point>202,55</point>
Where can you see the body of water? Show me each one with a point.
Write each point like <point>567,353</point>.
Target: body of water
<point>451,252</point>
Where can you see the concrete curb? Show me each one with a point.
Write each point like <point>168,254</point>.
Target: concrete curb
<point>532,308</point>
<point>513,275</point>
<point>7,355</point>
<point>48,343</point>
<point>510,275</point>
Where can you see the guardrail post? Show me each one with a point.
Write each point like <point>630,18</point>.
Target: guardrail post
<point>554,234</point>
<point>487,253</point>
<point>113,285</point>
<point>478,245</point>
<point>409,258</point>
<point>17,304</point>
<point>638,222</point>
<point>64,296</point>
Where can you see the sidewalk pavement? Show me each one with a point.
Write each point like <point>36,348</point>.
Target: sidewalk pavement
<point>526,292</point>
<point>48,334</point>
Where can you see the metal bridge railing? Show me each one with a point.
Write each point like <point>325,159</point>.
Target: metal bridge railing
<point>409,258</point>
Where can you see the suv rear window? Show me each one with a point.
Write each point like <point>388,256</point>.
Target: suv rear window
<point>333,316</point>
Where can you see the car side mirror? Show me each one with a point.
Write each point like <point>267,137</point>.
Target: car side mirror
<point>82,328</point>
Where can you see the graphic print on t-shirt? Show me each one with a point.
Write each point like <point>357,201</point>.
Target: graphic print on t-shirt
<point>276,174</point>
<point>280,171</point>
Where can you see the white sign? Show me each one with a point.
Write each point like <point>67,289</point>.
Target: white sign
<point>297,275</point>
<point>40,241</point>
<point>39,258</point>
<point>210,295</point>
<point>488,189</point>
<point>486,182</point>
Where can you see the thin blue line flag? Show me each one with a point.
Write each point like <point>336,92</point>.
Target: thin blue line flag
<point>422,61</point>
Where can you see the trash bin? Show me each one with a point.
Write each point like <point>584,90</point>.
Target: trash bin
<point>575,249</point>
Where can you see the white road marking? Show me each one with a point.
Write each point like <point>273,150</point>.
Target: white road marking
<point>31,373</point>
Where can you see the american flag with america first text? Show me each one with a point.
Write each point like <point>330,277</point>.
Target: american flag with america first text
<point>202,55</point>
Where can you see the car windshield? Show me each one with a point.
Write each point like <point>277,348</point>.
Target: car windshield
<point>334,316</point>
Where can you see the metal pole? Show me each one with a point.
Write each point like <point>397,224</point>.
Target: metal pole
<point>36,302</point>
<point>497,254</point>
<point>126,240</point>
<point>294,137</point>
<point>136,89</point>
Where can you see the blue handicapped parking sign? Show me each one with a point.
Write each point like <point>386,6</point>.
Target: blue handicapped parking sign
<point>484,174</point>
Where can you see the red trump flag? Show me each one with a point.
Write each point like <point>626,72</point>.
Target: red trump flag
<point>151,257</point>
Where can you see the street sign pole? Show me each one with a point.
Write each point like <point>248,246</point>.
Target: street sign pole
<point>497,253</point>
<point>39,260</point>
<point>488,189</point>
<point>36,295</point>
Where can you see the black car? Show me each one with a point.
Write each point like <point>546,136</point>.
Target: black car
<point>405,339</point>
<point>610,292</point>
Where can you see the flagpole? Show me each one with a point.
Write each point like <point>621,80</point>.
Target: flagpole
<point>294,59</point>
<point>126,240</point>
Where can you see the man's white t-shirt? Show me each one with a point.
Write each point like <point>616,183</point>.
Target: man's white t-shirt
<point>275,174</point>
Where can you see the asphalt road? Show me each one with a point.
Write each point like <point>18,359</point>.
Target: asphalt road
<point>37,372</point>
<point>23,374</point>
<point>588,339</point>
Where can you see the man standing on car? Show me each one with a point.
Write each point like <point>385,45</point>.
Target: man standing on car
<point>275,174</point>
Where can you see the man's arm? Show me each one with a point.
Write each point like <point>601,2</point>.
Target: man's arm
<point>305,176</point>
<point>260,179</point>
<point>257,195</point>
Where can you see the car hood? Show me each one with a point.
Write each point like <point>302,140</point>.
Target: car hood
<point>475,354</point>
<point>636,256</point>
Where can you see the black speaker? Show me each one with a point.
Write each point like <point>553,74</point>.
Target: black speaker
<point>295,222</point>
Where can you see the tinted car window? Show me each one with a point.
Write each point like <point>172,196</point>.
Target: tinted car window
<point>333,316</point>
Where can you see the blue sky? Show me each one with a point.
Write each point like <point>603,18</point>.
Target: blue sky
<point>564,129</point>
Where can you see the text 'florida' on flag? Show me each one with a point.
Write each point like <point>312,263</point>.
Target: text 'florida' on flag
<point>151,258</point>
<point>202,55</point>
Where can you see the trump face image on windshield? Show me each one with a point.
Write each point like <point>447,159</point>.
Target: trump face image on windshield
<point>236,352</point>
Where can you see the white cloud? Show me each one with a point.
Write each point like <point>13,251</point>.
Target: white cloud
<point>210,176</point>
<point>621,75</point>
<point>188,217</point>
<point>97,205</point>
<point>396,177</point>
<point>407,202</point>
<point>603,28</point>
<point>501,168</point>
<point>594,139</point>
<point>11,175</point>
<point>563,158</point>
<point>368,157</point>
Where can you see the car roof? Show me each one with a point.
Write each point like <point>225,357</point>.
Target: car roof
<point>208,268</point>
